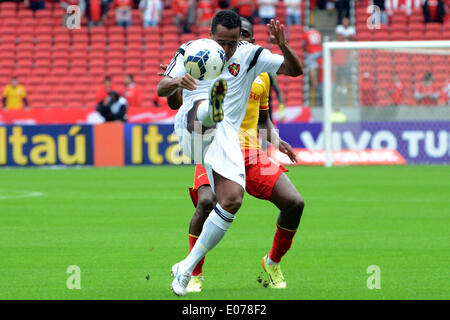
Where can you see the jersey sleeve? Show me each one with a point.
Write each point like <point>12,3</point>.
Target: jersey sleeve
<point>264,98</point>
<point>268,62</point>
<point>24,93</point>
<point>6,92</point>
<point>176,67</point>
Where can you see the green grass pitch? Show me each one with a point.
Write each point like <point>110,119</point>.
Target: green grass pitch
<point>121,224</point>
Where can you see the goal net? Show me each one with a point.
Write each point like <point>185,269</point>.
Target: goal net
<point>385,103</point>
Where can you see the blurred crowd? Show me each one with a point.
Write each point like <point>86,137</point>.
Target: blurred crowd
<point>187,13</point>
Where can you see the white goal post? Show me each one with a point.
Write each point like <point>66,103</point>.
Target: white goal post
<point>410,47</point>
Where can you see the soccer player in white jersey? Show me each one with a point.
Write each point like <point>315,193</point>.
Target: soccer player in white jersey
<point>219,106</point>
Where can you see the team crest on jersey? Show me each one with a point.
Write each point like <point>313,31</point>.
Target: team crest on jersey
<point>234,69</point>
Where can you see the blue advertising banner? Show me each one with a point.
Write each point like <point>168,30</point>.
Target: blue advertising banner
<point>153,144</point>
<point>29,145</point>
<point>418,142</point>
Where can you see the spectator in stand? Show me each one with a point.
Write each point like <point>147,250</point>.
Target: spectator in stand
<point>14,96</point>
<point>345,32</point>
<point>367,91</point>
<point>313,46</point>
<point>266,10</point>
<point>184,14</point>
<point>105,9</point>
<point>292,12</point>
<point>383,15</point>
<point>104,90</point>
<point>151,11</point>
<point>35,4</point>
<point>94,12</point>
<point>330,6</point>
<point>123,12</point>
<point>426,92</point>
<point>113,107</point>
<point>396,91</point>
<point>245,8</point>
<point>132,92</point>
<point>433,11</point>
<point>404,5</point>
<point>343,8</point>
<point>205,12</point>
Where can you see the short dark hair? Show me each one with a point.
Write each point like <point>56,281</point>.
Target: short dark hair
<point>227,18</point>
<point>108,78</point>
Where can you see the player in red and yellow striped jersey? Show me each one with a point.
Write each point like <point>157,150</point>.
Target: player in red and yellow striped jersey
<point>264,180</point>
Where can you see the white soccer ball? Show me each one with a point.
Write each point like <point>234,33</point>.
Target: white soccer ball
<point>204,59</point>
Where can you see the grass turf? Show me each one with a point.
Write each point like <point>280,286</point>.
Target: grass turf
<point>121,224</point>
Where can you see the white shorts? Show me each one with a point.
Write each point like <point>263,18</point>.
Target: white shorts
<point>217,149</point>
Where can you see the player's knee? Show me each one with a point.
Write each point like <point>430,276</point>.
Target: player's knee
<point>297,204</point>
<point>205,206</point>
<point>232,203</point>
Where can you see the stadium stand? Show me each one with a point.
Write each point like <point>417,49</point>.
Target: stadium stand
<point>402,27</point>
<point>50,58</point>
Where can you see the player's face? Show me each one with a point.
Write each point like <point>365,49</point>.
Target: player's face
<point>227,38</point>
<point>246,33</point>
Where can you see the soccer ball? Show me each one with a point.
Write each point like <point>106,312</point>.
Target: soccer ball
<point>204,59</point>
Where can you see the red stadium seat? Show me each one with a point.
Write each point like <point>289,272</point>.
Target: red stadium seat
<point>134,47</point>
<point>59,71</point>
<point>41,71</point>
<point>24,14</point>
<point>98,30</point>
<point>115,63</point>
<point>43,14</point>
<point>96,55</point>
<point>116,38</point>
<point>399,35</point>
<point>133,54</point>
<point>98,38</point>
<point>116,46</point>
<point>76,72</point>
<point>115,54</point>
<point>133,63</point>
<point>381,34</point>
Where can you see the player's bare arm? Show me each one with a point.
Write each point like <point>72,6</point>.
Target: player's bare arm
<point>272,136</point>
<point>168,85</point>
<point>291,65</point>
<point>174,100</point>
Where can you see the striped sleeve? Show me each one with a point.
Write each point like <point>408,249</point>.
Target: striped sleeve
<point>176,67</point>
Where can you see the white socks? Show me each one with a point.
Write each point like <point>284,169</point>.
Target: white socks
<point>214,228</point>
<point>203,114</point>
<point>270,262</point>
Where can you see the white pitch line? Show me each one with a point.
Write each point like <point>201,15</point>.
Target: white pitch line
<point>19,194</point>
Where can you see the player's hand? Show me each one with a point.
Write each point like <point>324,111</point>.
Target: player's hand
<point>187,82</point>
<point>276,31</point>
<point>164,68</point>
<point>287,150</point>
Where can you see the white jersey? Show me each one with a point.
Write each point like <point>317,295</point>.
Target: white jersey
<point>240,71</point>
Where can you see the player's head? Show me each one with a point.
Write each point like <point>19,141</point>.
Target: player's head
<point>107,81</point>
<point>14,81</point>
<point>113,97</point>
<point>226,30</point>
<point>247,30</point>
